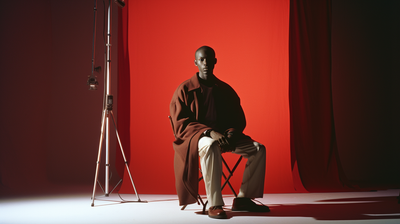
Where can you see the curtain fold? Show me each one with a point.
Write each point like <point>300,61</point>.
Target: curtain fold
<point>124,96</point>
<point>314,154</point>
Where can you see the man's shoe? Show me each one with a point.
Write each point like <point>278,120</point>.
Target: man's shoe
<point>217,212</point>
<point>246,204</point>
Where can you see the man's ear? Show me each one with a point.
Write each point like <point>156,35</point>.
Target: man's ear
<point>195,62</point>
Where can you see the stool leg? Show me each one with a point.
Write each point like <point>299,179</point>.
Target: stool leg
<point>230,174</point>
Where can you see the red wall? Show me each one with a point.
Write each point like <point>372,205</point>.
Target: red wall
<point>251,43</point>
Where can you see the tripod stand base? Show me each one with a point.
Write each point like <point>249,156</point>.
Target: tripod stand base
<point>114,199</point>
<point>106,113</point>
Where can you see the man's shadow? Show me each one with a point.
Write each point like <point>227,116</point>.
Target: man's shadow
<point>370,208</point>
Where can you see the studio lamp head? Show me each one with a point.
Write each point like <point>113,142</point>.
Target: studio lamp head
<point>92,82</point>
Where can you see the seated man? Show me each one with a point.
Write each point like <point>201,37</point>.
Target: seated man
<point>209,120</point>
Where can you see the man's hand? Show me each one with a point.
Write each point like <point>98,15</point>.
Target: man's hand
<point>222,141</point>
<point>233,136</point>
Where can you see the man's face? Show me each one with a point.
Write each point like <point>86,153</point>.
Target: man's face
<point>205,62</point>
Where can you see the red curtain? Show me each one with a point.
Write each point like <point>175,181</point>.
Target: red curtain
<point>124,96</point>
<point>314,155</point>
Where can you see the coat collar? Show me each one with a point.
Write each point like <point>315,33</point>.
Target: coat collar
<point>195,84</point>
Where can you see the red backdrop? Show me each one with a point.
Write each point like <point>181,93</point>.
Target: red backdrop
<point>156,52</point>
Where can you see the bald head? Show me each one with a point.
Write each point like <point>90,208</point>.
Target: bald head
<point>205,49</point>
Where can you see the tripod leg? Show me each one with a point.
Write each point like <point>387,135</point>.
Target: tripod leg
<point>99,155</point>
<point>123,155</point>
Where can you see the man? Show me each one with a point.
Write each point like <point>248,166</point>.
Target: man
<point>209,120</point>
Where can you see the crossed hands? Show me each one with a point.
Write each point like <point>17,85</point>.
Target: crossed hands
<point>226,142</point>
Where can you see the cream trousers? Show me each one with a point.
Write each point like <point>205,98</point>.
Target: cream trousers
<point>211,168</point>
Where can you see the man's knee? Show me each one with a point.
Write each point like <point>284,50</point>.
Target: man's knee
<point>208,146</point>
<point>260,148</point>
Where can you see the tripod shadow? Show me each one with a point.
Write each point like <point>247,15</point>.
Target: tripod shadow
<point>370,208</point>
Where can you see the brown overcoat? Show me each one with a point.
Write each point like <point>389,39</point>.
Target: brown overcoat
<point>184,109</point>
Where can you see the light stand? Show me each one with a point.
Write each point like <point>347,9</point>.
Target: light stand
<point>107,113</point>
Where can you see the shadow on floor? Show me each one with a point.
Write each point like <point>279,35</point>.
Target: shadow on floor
<point>370,208</point>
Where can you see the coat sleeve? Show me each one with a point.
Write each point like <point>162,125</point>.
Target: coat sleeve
<point>234,117</point>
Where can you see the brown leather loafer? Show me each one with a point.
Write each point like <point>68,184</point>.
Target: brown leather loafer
<point>246,204</point>
<point>217,212</point>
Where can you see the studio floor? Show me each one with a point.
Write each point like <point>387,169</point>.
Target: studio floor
<point>347,207</point>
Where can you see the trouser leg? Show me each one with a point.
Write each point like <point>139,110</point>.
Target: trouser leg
<point>211,167</point>
<point>254,173</point>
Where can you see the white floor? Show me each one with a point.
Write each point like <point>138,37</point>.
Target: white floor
<point>349,207</point>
